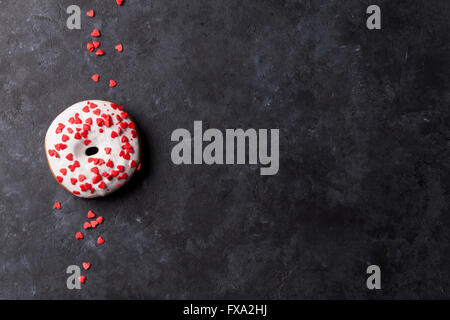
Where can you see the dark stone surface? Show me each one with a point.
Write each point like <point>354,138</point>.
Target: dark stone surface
<point>364,149</point>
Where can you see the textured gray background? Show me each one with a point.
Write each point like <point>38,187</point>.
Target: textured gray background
<point>364,167</point>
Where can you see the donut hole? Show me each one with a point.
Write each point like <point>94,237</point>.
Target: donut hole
<point>91,151</point>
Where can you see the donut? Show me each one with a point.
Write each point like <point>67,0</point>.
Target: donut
<point>93,148</point>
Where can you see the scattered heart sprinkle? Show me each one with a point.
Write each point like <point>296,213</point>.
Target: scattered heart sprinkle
<point>91,214</point>
<point>79,235</point>
<point>90,47</point>
<point>86,265</point>
<point>86,225</point>
<point>95,33</point>
<point>94,224</point>
<point>100,240</point>
<point>95,77</point>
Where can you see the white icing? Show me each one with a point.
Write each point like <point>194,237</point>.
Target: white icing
<point>99,140</point>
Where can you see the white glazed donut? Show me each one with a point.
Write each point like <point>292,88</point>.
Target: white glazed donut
<point>93,148</point>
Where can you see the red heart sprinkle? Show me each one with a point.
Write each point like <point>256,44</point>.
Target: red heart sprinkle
<point>60,179</point>
<point>57,205</point>
<point>94,224</point>
<point>86,109</point>
<point>110,164</point>
<point>82,279</point>
<point>99,52</point>
<point>112,83</point>
<point>77,136</point>
<point>95,33</point>
<point>87,142</point>
<point>114,134</point>
<point>97,179</point>
<point>95,77</point>
<point>69,157</point>
<point>97,113</point>
<point>64,138</point>
<point>96,44</point>
<point>102,185</point>
<point>75,165</point>
<point>119,2</point>
<point>119,47</point>
<point>89,121</point>
<point>123,125</point>
<point>73,181</point>
<point>63,171</point>
<point>81,178</point>
<point>86,225</point>
<point>77,120</point>
<point>108,150</point>
<point>85,187</point>
<point>79,235</point>
<point>90,47</point>
<point>100,240</point>
<point>60,128</point>
<point>86,265</point>
<point>124,176</point>
<point>90,13</point>
<point>132,164</point>
<point>99,220</point>
<point>53,153</point>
